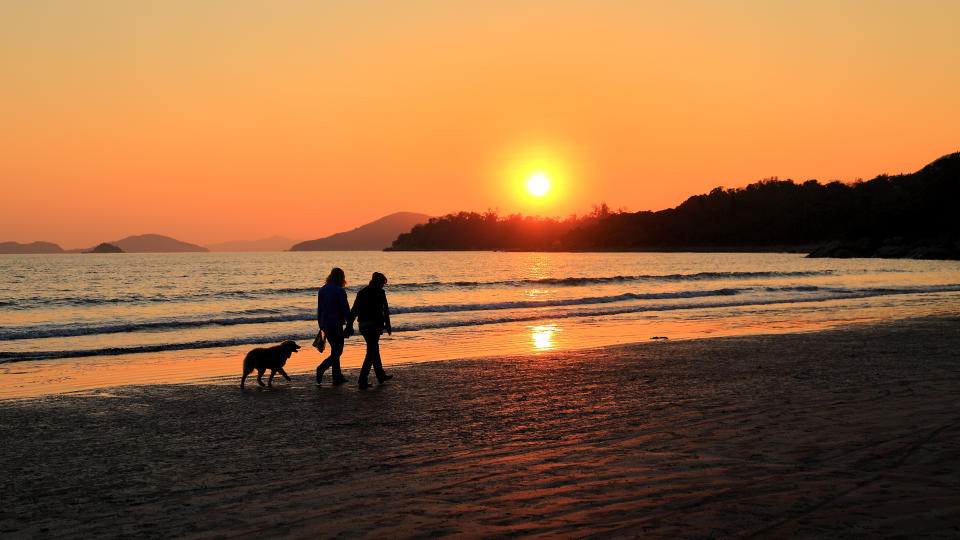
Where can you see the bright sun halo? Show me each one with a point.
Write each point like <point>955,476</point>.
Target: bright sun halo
<point>538,184</point>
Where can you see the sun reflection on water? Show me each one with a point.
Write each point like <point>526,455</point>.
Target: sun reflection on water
<point>538,265</point>
<point>542,337</point>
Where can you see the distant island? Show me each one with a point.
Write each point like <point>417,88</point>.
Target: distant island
<point>143,243</point>
<point>105,248</point>
<point>375,235</point>
<point>155,243</point>
<point>909,215</point>
<point>32,247</point>
<point>149,243</point>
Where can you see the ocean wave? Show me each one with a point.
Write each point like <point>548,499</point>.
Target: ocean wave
<point>193,296</point>
<point>431,325</point>
<point>267,316</point>
<point>146,326</point>
<point>137,349</point>
<point>836,294</point>
<point>522,304</point>
<point>804,288</point>
<point>301,315</point>
<point>600,280</point>
<point>241,294</point>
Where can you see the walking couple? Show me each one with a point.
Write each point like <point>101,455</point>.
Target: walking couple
<point>334,313</point>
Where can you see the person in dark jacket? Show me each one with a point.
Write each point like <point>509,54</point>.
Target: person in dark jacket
<point>332,312</point>
<point>371,310</point>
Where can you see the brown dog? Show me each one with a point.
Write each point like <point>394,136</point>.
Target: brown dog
<point>272,358</point>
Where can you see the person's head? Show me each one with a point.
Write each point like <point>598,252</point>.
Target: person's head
<point>337,276</point>
<point>378,280</point>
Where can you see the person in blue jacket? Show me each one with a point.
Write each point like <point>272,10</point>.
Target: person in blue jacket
<point>332,313</point>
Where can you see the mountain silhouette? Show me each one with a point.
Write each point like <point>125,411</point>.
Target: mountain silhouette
<point>32,247</point>
<point>274,243</point>
<point>375,235</point>
<point>155,243</point>
<point>105,248</point>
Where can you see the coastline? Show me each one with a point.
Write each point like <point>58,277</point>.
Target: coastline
<point>840,432</point>
<point>31,379</point>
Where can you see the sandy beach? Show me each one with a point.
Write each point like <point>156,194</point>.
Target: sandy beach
<point>850,432</point>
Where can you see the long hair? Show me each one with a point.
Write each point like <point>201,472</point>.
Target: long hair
<point>337,276</point>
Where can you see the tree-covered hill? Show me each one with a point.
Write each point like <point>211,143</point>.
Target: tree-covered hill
<point>903,215</point>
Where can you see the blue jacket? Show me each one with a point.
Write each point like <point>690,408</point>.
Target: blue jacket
<point>332,306</point>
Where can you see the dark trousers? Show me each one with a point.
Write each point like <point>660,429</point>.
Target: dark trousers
<point>335,340</point>
<point>372,357</point>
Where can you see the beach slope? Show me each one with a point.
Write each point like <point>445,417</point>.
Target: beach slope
<point>848,432</point>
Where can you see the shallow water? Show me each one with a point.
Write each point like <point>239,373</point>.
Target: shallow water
<point>121,314</point>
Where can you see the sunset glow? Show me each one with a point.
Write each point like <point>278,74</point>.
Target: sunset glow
<point>211,122</point>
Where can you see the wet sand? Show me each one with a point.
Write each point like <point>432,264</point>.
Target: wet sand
<point>851,432</point>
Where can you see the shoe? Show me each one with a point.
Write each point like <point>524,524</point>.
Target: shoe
<point>319,376</point>
<point>364,385</point>
<point>340,380</point>
<point>384,379</point>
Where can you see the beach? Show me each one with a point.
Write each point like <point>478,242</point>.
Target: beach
<point>844,432</point>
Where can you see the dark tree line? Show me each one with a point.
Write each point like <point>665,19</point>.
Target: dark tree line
<point>488,231</point>
<point>904,210</point>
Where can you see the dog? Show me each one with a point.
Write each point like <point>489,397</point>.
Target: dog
<point>264,358</point>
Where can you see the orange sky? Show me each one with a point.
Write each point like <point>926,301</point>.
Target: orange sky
<point>211,121</point>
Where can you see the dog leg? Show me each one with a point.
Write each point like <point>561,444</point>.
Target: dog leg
<point>243,380</point>
<point>284,373</point>
<point>270,380</point>
<point>260,377</point>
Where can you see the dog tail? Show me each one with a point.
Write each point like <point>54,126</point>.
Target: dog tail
<point>248,362</point>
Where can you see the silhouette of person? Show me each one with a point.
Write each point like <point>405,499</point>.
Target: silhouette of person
<point>371,310</point>
<point>332,312</point>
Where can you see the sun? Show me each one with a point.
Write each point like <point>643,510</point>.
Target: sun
<point>538,184</point>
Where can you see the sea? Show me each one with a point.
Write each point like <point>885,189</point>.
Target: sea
<point>124,316</point>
